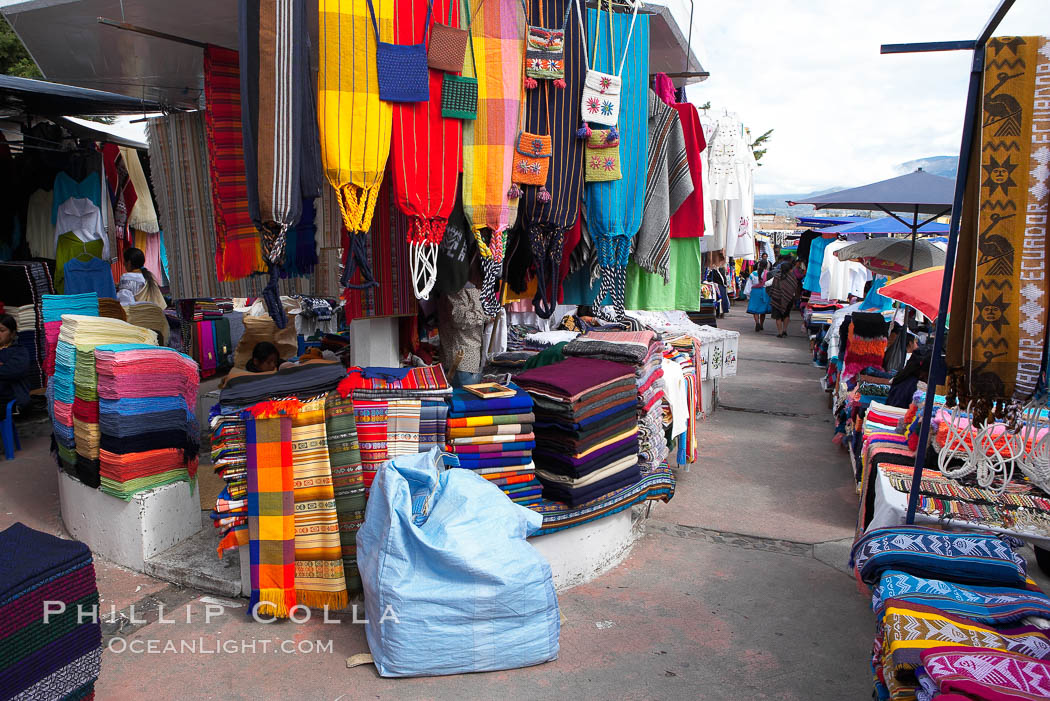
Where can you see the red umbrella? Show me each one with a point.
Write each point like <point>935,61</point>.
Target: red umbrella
<point>920,290</point>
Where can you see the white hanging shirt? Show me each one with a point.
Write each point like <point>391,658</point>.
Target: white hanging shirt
<point>675,392</point>
<point>840,279</point>
<point>726,158</point>
<point>80,216</point>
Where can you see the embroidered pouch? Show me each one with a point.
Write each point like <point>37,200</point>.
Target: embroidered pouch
<point>601,98</point>
<point>601,160</point>
<point>459,97</point>
<point>532,159</point>
<point>545,53</point>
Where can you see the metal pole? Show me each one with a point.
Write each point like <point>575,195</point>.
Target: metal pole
<point>151,33</point>
<point>970,133</point>
<point>914,233</point>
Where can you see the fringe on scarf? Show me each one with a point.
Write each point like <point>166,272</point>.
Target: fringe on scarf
<point>273,408</point>
<point>358,206</point>
<point>275,602</point>
<point>238,258</point>
<point>334,600</point>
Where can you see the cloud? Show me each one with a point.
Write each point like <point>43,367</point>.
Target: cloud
<point>843,114</point>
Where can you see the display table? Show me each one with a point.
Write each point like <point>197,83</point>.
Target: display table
<point>891,508</point>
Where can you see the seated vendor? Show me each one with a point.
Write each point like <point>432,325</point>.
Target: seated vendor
<point>265,358</point>
<point>14,366</point>
<point>138,284</point>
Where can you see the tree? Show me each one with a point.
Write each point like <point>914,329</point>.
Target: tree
<point>14,59</point>
<point>759,152</point>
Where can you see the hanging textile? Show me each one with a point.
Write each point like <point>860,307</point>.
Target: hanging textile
<point>455,252</point>
<point>121,191</point>
<point>384,250</point>
<point>488,141</point>
<point>271,514</point>
<point>688,221</point>
<point>667,185</point>
<point>425,155</point>
<point>238,247</point>
<point>143,215</point>
<point>319,577</point>
<point>614,208</point>
<point>344,454</point>
<point>279,118</point>
<point>1001,289</point>
<point>355,124</point>
<point>546,221</point>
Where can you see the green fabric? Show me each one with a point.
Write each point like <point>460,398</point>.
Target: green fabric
<point>38,634</point>
<point>344,454</point>
<point>68,248</point>
<point>223,343</point>
<point>647,291</point>
<point>126,490</point>
<point>548,356</point>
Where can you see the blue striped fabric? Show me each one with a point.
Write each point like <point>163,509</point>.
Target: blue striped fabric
<point>991,605</point>
<point>615,208</point>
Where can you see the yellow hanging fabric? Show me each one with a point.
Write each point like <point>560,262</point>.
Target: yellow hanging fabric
<point>355,124</point>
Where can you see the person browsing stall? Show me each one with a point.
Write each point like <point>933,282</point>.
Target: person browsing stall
<point>15,365</point>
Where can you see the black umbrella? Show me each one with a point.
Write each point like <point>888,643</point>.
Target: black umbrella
<point>915,193</point>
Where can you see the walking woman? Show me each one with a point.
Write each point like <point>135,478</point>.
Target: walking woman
<point>783,295</point>
<point>758,299</point>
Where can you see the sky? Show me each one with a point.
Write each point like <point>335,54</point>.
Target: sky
<point>843,114</point>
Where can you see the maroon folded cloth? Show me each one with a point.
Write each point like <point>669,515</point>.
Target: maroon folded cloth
<point>573,377</point>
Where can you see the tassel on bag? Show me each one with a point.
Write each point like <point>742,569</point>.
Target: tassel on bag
<point>584,131</point>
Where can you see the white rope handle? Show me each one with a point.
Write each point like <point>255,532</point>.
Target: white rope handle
<point>630,31</point>
<point>424,267</point>
<point>583,34</point>
<point>955,445</point>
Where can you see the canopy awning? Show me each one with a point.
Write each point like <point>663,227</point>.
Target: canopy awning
<point>44,99</point>
<point>917,192</point>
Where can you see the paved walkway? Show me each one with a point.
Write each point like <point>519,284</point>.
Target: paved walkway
<point>738,589</point>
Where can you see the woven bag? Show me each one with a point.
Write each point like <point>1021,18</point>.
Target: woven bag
<point>601,161</point>
<point>600,97</point>
<point>459,97</point>
<point>459,93</point>
<point>402,69</point>
<point>532,159</point>
<point>448,46</point>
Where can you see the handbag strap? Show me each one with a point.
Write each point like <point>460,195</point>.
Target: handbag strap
<point>546,99</point>
<point>470,36</point>
<point>583,34</point>
<point>426,25</point>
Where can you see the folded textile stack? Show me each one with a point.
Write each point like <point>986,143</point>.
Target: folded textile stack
<point>494,438</point>
<point>30,329</point>
<point>935,589</point>
<point>307,380</point>
<point>23,284</point>
<point>111,308</point>
<point>397,411</point>
<point>76,383</point>
<point>586,428</point>
<point>52,309</point>
<point>148,429</point>
<point>56,658</point>
<point>149,316</point>
<point>642,351</point>
<point>228,455</point>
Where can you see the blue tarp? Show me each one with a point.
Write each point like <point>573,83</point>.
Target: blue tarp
<point>884,225</point>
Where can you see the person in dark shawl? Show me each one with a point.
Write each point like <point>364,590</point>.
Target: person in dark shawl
<point>783,295</point>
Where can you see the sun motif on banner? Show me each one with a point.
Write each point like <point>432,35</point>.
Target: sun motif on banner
<point>1000,175</point>
<point>992,313</point>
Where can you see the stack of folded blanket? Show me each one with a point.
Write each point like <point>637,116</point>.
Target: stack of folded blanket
<point>149,434</point>
<point>228,455</point>
<point>73,390</point>
<point>30,325</point>
<point>494,438</point>
<point>56,658</point>
<point>586,428</point>
<point>53,307</point>
<point>148,316</point>
<point>642,351</point>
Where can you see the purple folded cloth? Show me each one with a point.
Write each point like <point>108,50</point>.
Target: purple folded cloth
<point>560,461</point>
<point>573,376</point>
<point>50,658</point>
<point>576,497</point>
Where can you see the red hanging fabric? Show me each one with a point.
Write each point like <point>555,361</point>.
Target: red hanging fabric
<point>426,153</point>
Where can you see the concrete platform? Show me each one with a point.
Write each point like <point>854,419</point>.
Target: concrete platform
<point>129,532</point>
<point>194,563</point>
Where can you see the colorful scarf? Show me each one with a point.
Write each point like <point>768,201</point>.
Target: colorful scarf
<point>142,215</point>
<point>355,124</point>
<point>985,673</point>
<point>371,418</point>
<point>1000,291</point>
<point>344,454</point>
<point>990,605</point>
<point>319,577</point>
<point>271,514</point>
<point>488,141</point>
<point>425,156</point>
<point>546,221</point>
<point>402,427</point>
<point>121,191</point>
<point>279,119</point>
<point>238,248</point>
<point>614,209</point>
<point>908,629</point>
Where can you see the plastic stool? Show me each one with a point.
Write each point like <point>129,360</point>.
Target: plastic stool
<point>8,432</point>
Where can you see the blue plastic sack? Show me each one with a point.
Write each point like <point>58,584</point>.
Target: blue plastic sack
<point>450,583</point>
